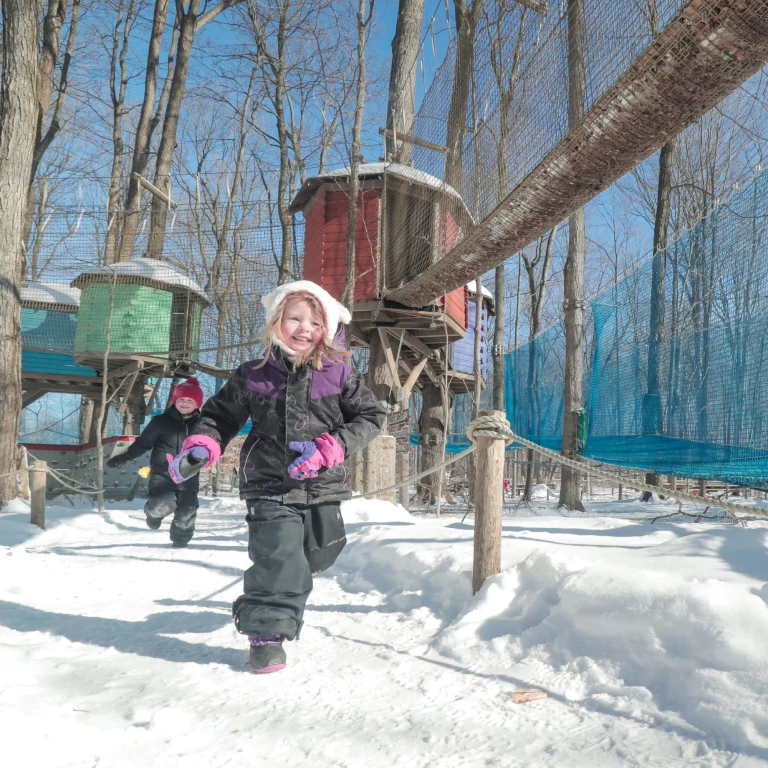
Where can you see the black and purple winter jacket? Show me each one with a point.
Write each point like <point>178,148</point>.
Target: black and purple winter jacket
<point>287,405</point>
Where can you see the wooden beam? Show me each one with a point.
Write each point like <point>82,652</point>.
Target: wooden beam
<point>30,396</point>
<point>413,377</point>
<point>131,379</point>
<point>154,190</point>
<point>152,396</point>
<point>409,139</point>
<point>384,336</point>
<point>124,370</point>
<point>410,340</point>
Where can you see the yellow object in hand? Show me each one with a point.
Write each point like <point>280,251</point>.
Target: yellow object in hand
<point>144,472</point>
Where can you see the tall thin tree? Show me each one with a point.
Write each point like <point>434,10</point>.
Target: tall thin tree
<point>573,275</point>
<point>18,113</point>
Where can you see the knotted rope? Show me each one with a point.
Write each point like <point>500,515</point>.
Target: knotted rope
<point>491,425</point>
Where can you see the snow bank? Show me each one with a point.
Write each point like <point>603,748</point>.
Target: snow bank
<point>359,510</point>
<point>541,491</point>
<point>642,644</point>
<point>650,641</point>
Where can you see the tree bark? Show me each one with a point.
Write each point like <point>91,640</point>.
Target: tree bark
<point>498,339</point>
<point>652,416</point>
<point>537,289</point>
<point>143,139</point>
<point>402,78</point>
<point>348,295</point>
<point>86,419</point>
<point>117,69</point>
<point>17,135</point>
<point>466,21</point>
<point>432,430</point>
<point>573,277</point>
<point>187,21</point>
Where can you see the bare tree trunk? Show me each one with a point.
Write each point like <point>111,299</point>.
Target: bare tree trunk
<point>348,296</point>
<point>187,21</point>
<point>117,68</point>
<point>573,276</point>
<point>478,383</point>
<point>86,419</point>
<point>466,21</point>
<point>498,339</point>
<point>537,289</point>
<point>134,413</point>
<point>402,78</point>
<point>49,55</point>
<point>143,139</point>
<point>405,50</point>
<point>652,417</point>
<point>17,135</point>
<point>432,429</point>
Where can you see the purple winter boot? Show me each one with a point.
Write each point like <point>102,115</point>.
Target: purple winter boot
<point>267,654</point>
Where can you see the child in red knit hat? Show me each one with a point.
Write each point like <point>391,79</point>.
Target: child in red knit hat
<point>164,435</point>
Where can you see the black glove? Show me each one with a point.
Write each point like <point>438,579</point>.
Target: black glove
<point>118,461</point>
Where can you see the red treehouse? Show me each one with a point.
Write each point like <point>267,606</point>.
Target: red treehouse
<point>406,221</point>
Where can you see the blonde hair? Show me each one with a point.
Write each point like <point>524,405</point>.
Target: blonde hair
<point>316,354</point>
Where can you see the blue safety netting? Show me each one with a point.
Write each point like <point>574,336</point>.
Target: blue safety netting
<point>701,410</point>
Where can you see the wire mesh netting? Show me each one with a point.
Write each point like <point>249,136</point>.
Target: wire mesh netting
<point>691,399</point>
<point>499,109</point>
<point>517,109</point>
<point>201,301</point>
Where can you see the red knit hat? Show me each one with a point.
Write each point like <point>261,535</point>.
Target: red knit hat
<point>189,388</point>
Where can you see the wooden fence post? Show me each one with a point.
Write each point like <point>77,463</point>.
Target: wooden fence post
<point>489,498</point>
<point>38,475</point>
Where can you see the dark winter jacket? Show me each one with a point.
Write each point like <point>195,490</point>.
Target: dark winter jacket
<point>164,434</point>
<point>287,405</point>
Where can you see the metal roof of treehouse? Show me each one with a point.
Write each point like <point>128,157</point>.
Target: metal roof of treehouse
<point>403,173</point>
<point>142,271</point>
<point>56,297</point>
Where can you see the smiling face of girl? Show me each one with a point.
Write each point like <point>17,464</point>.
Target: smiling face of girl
<point>301,328</point>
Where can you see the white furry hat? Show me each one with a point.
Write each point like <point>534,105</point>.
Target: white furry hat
<point>334,311</point>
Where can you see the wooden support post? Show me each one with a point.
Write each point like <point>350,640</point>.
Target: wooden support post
<point>390,357</point>
<point>410,382</point>
<point>489,499</point>
<point>37,483</point>
<point>403,472</point>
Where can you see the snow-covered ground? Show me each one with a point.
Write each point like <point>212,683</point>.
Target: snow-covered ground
<point>650,640</point>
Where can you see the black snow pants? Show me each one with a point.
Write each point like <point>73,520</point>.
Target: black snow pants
<point>287,544</point>
<point>166,498</point>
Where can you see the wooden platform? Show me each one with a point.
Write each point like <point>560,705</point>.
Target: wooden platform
<point>433,326</point>
<point>35,385</point>
<point>121,374</point>
<point>414,341</point>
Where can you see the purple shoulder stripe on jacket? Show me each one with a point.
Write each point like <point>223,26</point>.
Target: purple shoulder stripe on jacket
<point>268,380</point>
<point>329,381</point>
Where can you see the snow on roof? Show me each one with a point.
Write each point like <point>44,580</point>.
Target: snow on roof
<point>150,270</point>
<point>473,290</point>
<point>367,170</point>
<point>50,293</point>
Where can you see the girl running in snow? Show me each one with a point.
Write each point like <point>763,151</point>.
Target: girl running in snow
<point>309,411</point>
<point>165,435</point>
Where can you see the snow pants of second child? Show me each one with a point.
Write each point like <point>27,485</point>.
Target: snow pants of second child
<point>170,500</point>
<point>287,544</point>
